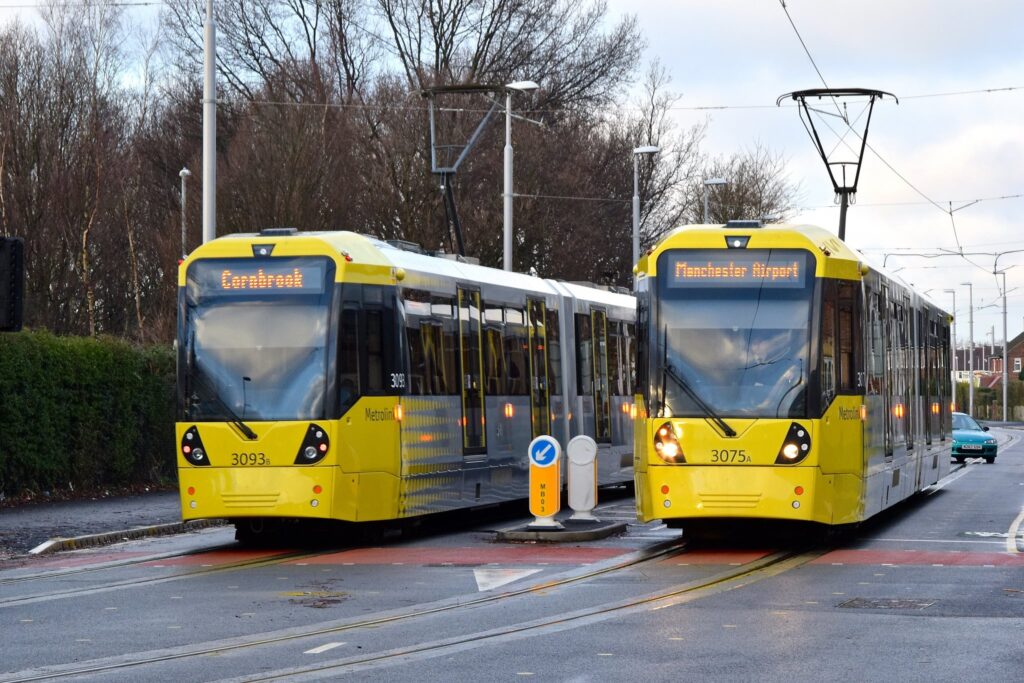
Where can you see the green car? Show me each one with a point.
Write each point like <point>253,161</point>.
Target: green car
<point>970,439</point>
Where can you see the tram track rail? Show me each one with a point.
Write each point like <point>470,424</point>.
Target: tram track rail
<point>128,662</point>
<point>737,577</point>
<point>80,591</point>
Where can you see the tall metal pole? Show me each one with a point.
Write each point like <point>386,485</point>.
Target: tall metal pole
<point>970,361</point>
<point>953,330</point>
<point>636,208</point>
<point>507,263</point>
<point>1005,345</point>
<point>209,127</point>
<point>844,204</point>
<point>184,174</point>
<point>706,212</point>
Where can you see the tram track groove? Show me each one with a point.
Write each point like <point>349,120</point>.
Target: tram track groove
<point>654,553</point>
<point>737,577</point>
<point>154,580</point>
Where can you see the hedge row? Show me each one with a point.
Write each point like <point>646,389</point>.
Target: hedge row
<point>84,412</point>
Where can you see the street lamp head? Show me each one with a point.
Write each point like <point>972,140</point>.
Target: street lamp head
<point>716,181</point>
<point>647,149</point>
<point>522,86</point>
<point>184,173</point>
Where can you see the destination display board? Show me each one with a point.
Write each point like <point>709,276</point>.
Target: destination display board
<point>246,277</point>
<point>700,268</point>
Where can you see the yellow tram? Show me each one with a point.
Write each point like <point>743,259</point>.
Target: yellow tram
<point>781,377</point>
<point>335,376</point>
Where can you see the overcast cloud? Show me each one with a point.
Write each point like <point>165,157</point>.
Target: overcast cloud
<point>744,52</point>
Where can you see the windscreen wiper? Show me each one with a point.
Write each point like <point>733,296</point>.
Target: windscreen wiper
<point>669,371</point>
<point>200,380</point>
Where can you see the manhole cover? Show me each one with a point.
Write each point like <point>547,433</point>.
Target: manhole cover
<point>887,603</point>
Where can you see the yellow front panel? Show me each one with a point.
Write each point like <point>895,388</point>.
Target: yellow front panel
<point>230,492</point>
<point>737,477</point>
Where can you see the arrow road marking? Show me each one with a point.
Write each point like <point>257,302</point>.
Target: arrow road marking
<point>489,579</point>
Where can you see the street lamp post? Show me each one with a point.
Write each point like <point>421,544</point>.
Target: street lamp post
<point>647,149</point>
<point>209,126</point>
<point>970,362</point>
<point>707,184</point>
<point>953,325</point>
<point>184,174</point>
<point>520,86</point>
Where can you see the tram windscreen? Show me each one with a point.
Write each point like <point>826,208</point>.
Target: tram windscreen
<point>735,327</point>
<point>255,337</point>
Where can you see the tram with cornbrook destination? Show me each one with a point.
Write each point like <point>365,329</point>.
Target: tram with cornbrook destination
<point>781,377</point>
<point>334,376</point>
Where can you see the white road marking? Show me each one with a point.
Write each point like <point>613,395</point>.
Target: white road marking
<point>489,579</point>
<point>1011,536</point>
<point>946,481</point>
<point>323,648</point>
<point>931,540</point>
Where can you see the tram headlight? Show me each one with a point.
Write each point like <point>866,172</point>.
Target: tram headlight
<point>666,444</point>
<point>314,446</point>
<point>795,447</point>
<point>192,448</point>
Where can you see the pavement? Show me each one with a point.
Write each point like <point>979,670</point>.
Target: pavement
<point>27,526</point>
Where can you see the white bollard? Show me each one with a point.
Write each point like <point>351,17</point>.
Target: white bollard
<point>582,475</point>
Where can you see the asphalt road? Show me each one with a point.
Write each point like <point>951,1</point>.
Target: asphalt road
<point>933,590</point>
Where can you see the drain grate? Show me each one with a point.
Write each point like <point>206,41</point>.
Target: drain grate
<point>887,603</point>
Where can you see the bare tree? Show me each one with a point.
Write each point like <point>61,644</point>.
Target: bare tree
<point>758,188</point>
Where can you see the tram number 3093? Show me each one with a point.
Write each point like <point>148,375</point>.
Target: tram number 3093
<point>729,455</point>
<point>246,459</point>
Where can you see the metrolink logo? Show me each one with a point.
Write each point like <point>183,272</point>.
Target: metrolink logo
<point>373,415</point>
<point>849,414</point>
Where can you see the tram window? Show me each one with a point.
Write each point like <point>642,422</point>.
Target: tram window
<point>616,358</point>
<point>417,362</point>
<point>442,306</point>
<point>375,351</point>
<point>849,358</point>
<point>516,345</point>
<point>448,359</point>
<point>876,366</point>
<point>495,370</point>
<point>584,356</point>
<point>494,314</point>
<point>348,359</point>
<point>554,354</point>
<point>828,343</point>
<point>429,338</point>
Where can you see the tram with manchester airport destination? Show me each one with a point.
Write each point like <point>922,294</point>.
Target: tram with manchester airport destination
<point>781,377</point>
<point>334,376</point>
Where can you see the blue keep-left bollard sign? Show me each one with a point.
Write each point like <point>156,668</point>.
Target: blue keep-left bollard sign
<point>544,451</point>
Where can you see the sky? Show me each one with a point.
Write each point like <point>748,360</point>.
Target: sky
<point>952,149</point>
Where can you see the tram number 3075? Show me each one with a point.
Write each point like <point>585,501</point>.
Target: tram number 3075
<point>729,455</point>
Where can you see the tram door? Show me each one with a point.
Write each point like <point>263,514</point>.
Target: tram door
<point>474,440</point>
<point>540,410</point>
<point>602,397</point>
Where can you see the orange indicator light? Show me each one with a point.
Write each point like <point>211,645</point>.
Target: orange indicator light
<point>935,408</point>
<point>510,410</point>
<point>186,449</point>
<point>399,412</point>
<point>191,490</point>
<point>799,490</point>
<point>323,448</point>
<point>664,489</point>
<point>317,489</point>
<point>863,413</point>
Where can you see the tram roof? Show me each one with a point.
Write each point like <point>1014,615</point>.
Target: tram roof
<point>365,248</point>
